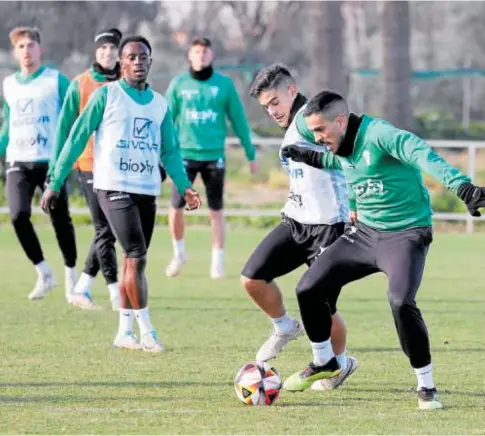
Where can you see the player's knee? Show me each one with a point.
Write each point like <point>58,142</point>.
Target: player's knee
<point>251,286</point>
<point>138,259</point>
<point>305,287</point>
<point>399,303</point>
<point>215,203</point>
<point>19,217</point>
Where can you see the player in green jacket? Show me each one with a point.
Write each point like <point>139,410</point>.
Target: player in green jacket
<point>382,165</point>
<point>200,101</point>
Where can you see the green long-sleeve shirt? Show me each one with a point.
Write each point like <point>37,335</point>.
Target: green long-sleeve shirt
<point>89,121</point>
<point>199,110</point>
<point>63,85</point>
<point>68,115</point>
<point>384,172</point>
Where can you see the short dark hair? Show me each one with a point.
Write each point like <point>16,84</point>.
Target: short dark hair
<point>323,102</point>
<point>270,77</point>
<point>203,41</point>
<point>135,38</point>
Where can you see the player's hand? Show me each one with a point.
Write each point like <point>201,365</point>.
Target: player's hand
<point>473,196</point>
<point>192,199</point>
<point>48,200</point>
<point>353,217</point>
<point>302,154</point>
<point>253,167</point>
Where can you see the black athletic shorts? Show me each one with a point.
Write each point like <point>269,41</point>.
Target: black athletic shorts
<point>288,246</point>
<point>131,218</point>
<point>212,173</point>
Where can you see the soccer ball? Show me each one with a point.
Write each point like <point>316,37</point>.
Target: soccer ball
<point>257,384</point>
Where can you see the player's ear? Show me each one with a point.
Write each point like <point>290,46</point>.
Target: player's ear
<point>342,121</point>
<point>292,90</point>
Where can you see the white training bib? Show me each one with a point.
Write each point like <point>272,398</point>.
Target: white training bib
<point>34,110</point>
<point>127,144</point>
<point>316,196</point>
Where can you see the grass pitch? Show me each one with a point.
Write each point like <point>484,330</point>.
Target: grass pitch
<point>60,375</point>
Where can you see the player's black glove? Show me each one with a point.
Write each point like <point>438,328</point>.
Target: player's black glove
<point>305,155</point>
<point>473,196</point>
<point>163,173</point>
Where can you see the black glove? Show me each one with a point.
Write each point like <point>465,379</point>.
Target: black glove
<point>163,173</point>
<point>473,196</point>
<point>301,154</point>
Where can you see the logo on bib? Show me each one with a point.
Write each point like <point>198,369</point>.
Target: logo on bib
<point>26,116</point>
<point>141,128</point>
<point>25,106</point>
<point>141,139</point>
<point>32,142</point>
<point>136,167</point>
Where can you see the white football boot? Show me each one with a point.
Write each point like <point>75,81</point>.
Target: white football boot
<point>149,342</point>
<point>176,264</point>
<point>45,284</point>
<point>277,341</point>
<point>83,300</point>
<point>127,340</point>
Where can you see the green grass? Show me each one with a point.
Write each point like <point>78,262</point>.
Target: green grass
<point>59,374</point>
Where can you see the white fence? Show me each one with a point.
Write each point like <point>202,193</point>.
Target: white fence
<point>472,147</point>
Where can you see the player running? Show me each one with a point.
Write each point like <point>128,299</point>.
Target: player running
<point>133,132</point>
<point>200,100</point>
<point>33,98</point>
<point>102,254</point>
<point>313,218</point>
<point>382,165</point>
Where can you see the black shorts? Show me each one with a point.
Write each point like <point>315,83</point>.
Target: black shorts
<point>212,173</point>
<point>288,246</point>
<point>131,218</point>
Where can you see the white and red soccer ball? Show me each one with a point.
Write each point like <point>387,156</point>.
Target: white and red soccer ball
<point>257,384</point>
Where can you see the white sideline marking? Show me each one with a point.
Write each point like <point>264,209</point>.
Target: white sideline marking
<point>119,410</point>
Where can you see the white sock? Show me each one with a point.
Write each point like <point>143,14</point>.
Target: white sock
<point>70,273</point>
<point>322,352</point>
<point>114,291</point>
<point>126,321</point>
<point>178,247</point>
<point>217,256</point>
<point>284,324</point>
<point>425,376</point>
<point>84,284</point>
<point>342,360</point>
<point>43,269</point>
<point>143,319</point>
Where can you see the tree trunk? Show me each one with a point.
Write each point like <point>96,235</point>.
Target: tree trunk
<point>327,48</point>
<point>396,66</point>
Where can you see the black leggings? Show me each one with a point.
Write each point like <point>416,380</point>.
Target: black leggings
<point>22,180</point>
<point>102,253</point>
<point>362,251</point>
